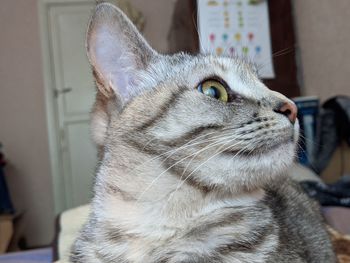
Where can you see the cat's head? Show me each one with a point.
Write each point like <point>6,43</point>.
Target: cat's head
<point>208,120</point>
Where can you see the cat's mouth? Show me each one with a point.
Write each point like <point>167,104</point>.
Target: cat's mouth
<point>260,149</point>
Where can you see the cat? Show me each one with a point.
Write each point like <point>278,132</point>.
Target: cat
<point>194,152</point>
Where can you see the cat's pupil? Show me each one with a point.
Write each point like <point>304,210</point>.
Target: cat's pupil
<point>213,92</point>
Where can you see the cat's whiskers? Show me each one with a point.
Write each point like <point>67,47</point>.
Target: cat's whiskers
<point>215,143</point>
<point>182,159</point>
<point>199,35</point>
<point>219,151</point>
<point>214,138</point>
<point>173,151</point>
<point>301,149</point>
<point>282,51</point>
<point>315,143</point>
<point>197,154</point>
<point>152,183</point>
<point>278,53</point>
<point>274,55</point>
<point>242,150</point>
<point>184,146</point>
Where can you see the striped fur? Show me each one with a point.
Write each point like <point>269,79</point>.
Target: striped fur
<point>183,177</point>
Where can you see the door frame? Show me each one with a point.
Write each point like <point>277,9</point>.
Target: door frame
<point>56,166</point>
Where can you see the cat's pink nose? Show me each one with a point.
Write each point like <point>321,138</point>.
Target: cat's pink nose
<point>289,110</point>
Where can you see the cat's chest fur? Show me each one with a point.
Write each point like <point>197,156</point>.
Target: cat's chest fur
<point>208,230</point>
<point>264,226</point>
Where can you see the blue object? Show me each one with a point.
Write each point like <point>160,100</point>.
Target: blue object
<point>31,256</point>
<point>258,49</point>
<point>308,108</point>
<point>6,206</point>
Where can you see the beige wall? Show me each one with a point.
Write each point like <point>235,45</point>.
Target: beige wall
<point>153,29</point>
<point>22,119</point>
<point>323,32</point>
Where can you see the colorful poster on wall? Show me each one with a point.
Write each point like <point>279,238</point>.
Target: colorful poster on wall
<point>237,28</point>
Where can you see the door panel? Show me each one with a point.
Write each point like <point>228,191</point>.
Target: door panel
<point>74,95</point>
<point>75,67</point>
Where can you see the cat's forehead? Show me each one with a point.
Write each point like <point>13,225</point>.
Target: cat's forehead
<point>189,71</point>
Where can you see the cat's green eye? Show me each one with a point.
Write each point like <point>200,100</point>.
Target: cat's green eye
<point>214,89</point>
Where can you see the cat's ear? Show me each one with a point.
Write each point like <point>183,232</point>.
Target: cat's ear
<point>117,52</point>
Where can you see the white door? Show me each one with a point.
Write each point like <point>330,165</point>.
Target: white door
<point>73,96</point>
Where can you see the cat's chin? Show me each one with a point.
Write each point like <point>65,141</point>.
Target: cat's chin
<point>241,172</point>
<point>274,159</point>
<point>264,167</point>
<point>258,151</point>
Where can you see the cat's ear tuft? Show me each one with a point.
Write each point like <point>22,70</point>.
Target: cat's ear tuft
<point>117,52</point>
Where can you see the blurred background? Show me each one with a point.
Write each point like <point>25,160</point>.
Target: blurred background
<point>46,92</point>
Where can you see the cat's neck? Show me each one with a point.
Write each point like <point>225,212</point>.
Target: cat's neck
<point>144,195</point>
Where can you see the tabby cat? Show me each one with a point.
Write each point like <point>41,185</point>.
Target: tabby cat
<point>193,158</point>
